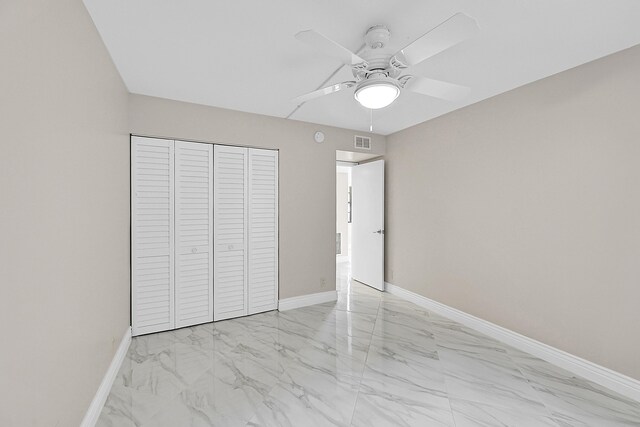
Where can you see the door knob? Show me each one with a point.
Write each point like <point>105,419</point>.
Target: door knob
<point>379,232</point>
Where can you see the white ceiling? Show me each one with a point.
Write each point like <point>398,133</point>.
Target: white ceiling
<point>242,54</point>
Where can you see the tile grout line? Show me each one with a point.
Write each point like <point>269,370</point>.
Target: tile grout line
<point>444,376</point>
<point>536,392</point>
<point>530,383</point>
<point>355,405</point>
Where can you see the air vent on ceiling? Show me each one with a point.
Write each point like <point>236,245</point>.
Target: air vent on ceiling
<point>362,142</point>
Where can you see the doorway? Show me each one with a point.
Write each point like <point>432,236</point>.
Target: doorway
<point>343,224</point>
<point>359,219</point>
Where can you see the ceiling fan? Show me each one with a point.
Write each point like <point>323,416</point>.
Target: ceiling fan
<point>378,72</point>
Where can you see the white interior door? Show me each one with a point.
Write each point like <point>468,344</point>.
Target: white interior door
<point>193,233</point>
<point>367,224</point>
<point>152,252</point>
<point>263,230</point>
<point>230,231</point>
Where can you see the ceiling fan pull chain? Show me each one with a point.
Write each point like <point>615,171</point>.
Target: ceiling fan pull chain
<point>370,120</point>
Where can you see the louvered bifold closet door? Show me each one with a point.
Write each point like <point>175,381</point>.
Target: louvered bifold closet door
<point>152,235</point>
<point>193,233</point>
<point>230,232</point>
<point>263,230</point>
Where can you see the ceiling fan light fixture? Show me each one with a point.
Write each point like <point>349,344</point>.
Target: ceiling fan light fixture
<point>377,94</point>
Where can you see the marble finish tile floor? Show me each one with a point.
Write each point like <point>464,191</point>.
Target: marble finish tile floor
<point>369,359</point>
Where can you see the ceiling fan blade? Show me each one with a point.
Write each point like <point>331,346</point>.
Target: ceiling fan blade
<point>329,47</point>
<point>324,91</point>
<point>448,34</point>
<point>437,88</point>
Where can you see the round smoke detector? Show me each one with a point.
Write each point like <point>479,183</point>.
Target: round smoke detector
<point>377,36</point>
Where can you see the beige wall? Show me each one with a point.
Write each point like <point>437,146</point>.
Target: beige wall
<point>64,204</point>
<point>342,197</point>
<point>524,210</point>
<point>307,176</point>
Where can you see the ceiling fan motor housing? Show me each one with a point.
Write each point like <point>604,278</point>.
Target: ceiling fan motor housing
<point>377,55</point>
<point>377,64</point>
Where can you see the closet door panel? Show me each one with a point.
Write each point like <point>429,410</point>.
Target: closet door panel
<point>193,233</point>
<point>263,231</point>
<point>230,231</point>
<point>152,251</point>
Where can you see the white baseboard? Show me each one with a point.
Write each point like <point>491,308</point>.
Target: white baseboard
<point>93,413</point>
<point>305,300</point>
<point>606,377</point>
